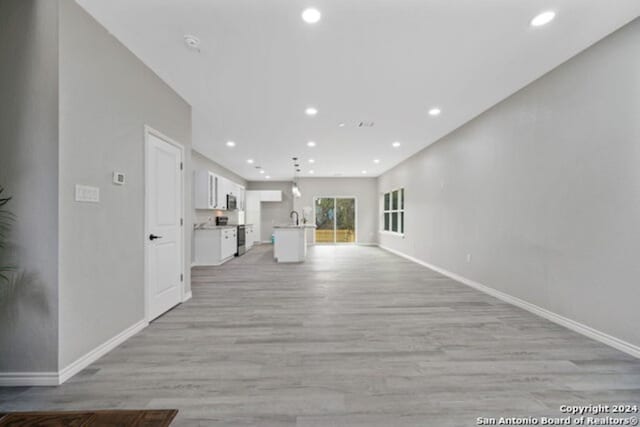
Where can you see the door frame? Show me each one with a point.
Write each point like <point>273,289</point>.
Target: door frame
<point>335,219</point>
<point>148,130</point>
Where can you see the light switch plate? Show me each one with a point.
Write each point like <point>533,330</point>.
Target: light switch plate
<point>85,193</point>
<point>119,178</point>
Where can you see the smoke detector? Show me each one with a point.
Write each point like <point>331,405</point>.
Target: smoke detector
<point>192,42</point>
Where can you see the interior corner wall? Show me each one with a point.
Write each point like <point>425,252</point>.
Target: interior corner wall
<point>107,96</point>
<point>365,190</point>
<point>543,191</point>
<point>273,213</point>
<point>28,172</point>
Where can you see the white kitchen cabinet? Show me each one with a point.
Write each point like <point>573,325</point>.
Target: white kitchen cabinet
<point>249,236</point>
<point>204,196</point>
<point>211,190</point>
<point>270,196</point>
<point>227,187</point>
<point>214,246</point>
<point>290,243</point>
<point>229,242</point>
<point>241,198</point>
<point>253,212</point>
<point>233,189</point>
<point>223,190</point>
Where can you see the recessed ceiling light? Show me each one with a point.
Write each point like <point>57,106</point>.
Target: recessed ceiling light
<point>267,177</point>
<point>435,111</point>
<point>395,144</point>
<point>376,161</point>
<point>311,111</point>
<point>311,15</point>
<point>261,171</point>
<point>341,125</point>
<point>311,144</point>
<point>231,144</point>
<point>543,18</point>
<point>311,172</point>
<point>364,172</point>
<point>312,161</point>
<point>250,161</point>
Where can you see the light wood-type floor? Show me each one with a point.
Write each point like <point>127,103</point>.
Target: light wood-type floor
<point>353,337</point>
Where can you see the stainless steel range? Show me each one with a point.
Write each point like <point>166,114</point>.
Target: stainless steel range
<point>242,237</point>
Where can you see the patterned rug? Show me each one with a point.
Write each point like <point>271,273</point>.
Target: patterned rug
<point>142,418</point>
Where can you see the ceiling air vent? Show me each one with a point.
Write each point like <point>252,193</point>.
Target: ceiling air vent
<point>366,124</point>
<point>192,42</point>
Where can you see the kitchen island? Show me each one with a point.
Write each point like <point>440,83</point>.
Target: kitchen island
<point>290,242</point>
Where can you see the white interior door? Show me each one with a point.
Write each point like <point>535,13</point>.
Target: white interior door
<point>164,239</point>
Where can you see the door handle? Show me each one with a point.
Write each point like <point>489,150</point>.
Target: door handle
<point>154,237</point>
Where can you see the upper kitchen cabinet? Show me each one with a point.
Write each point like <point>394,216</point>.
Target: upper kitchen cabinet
<point>211,191</point>
<point>223,189</point>
<point>205,184</point>
<point>241,198</point>
<point>271,196</point>
<point>236,190</point>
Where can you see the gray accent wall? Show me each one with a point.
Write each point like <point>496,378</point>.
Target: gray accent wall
<point>365,191</point>
<point>107,96</point>
<point>543,191</point>
<point>28,171</point>
<point>273,213</point>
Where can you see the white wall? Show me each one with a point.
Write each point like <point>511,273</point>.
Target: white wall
<point>543,190</point>
<point>365,190</point>
<point>28,172</point>
<point>107,96</point>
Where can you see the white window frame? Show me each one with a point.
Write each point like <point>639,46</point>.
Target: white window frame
<point>401,211</point>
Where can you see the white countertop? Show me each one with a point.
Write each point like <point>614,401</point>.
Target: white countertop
<point>216,227</point>
<point>295,226</point>
<point>213,227</point>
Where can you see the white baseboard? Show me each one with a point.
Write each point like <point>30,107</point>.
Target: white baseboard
<point>578,327</point>
<point>187,296</point>
<point>104,348</point>
<point>214,264</point>
<point>18,379</point>
<point>22,379</point>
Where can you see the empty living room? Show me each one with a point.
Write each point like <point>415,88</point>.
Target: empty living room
<point>319,213</point>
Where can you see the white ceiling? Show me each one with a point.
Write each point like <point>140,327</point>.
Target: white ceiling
<point>386,61</point>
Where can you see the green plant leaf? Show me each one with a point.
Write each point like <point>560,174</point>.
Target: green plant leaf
<point>7,219</point>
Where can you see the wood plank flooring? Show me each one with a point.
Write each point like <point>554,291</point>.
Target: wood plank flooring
<point>353,337</point>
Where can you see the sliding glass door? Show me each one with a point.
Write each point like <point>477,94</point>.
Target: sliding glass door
<point>335,219</point>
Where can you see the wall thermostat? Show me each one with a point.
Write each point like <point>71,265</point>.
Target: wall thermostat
<point>118,178</point>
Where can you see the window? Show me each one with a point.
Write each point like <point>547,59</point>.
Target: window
<point>393,211</point>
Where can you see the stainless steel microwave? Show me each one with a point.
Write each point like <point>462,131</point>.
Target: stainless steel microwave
<point>231,202</point>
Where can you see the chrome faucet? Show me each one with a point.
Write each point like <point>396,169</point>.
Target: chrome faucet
<point>297,217</point>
